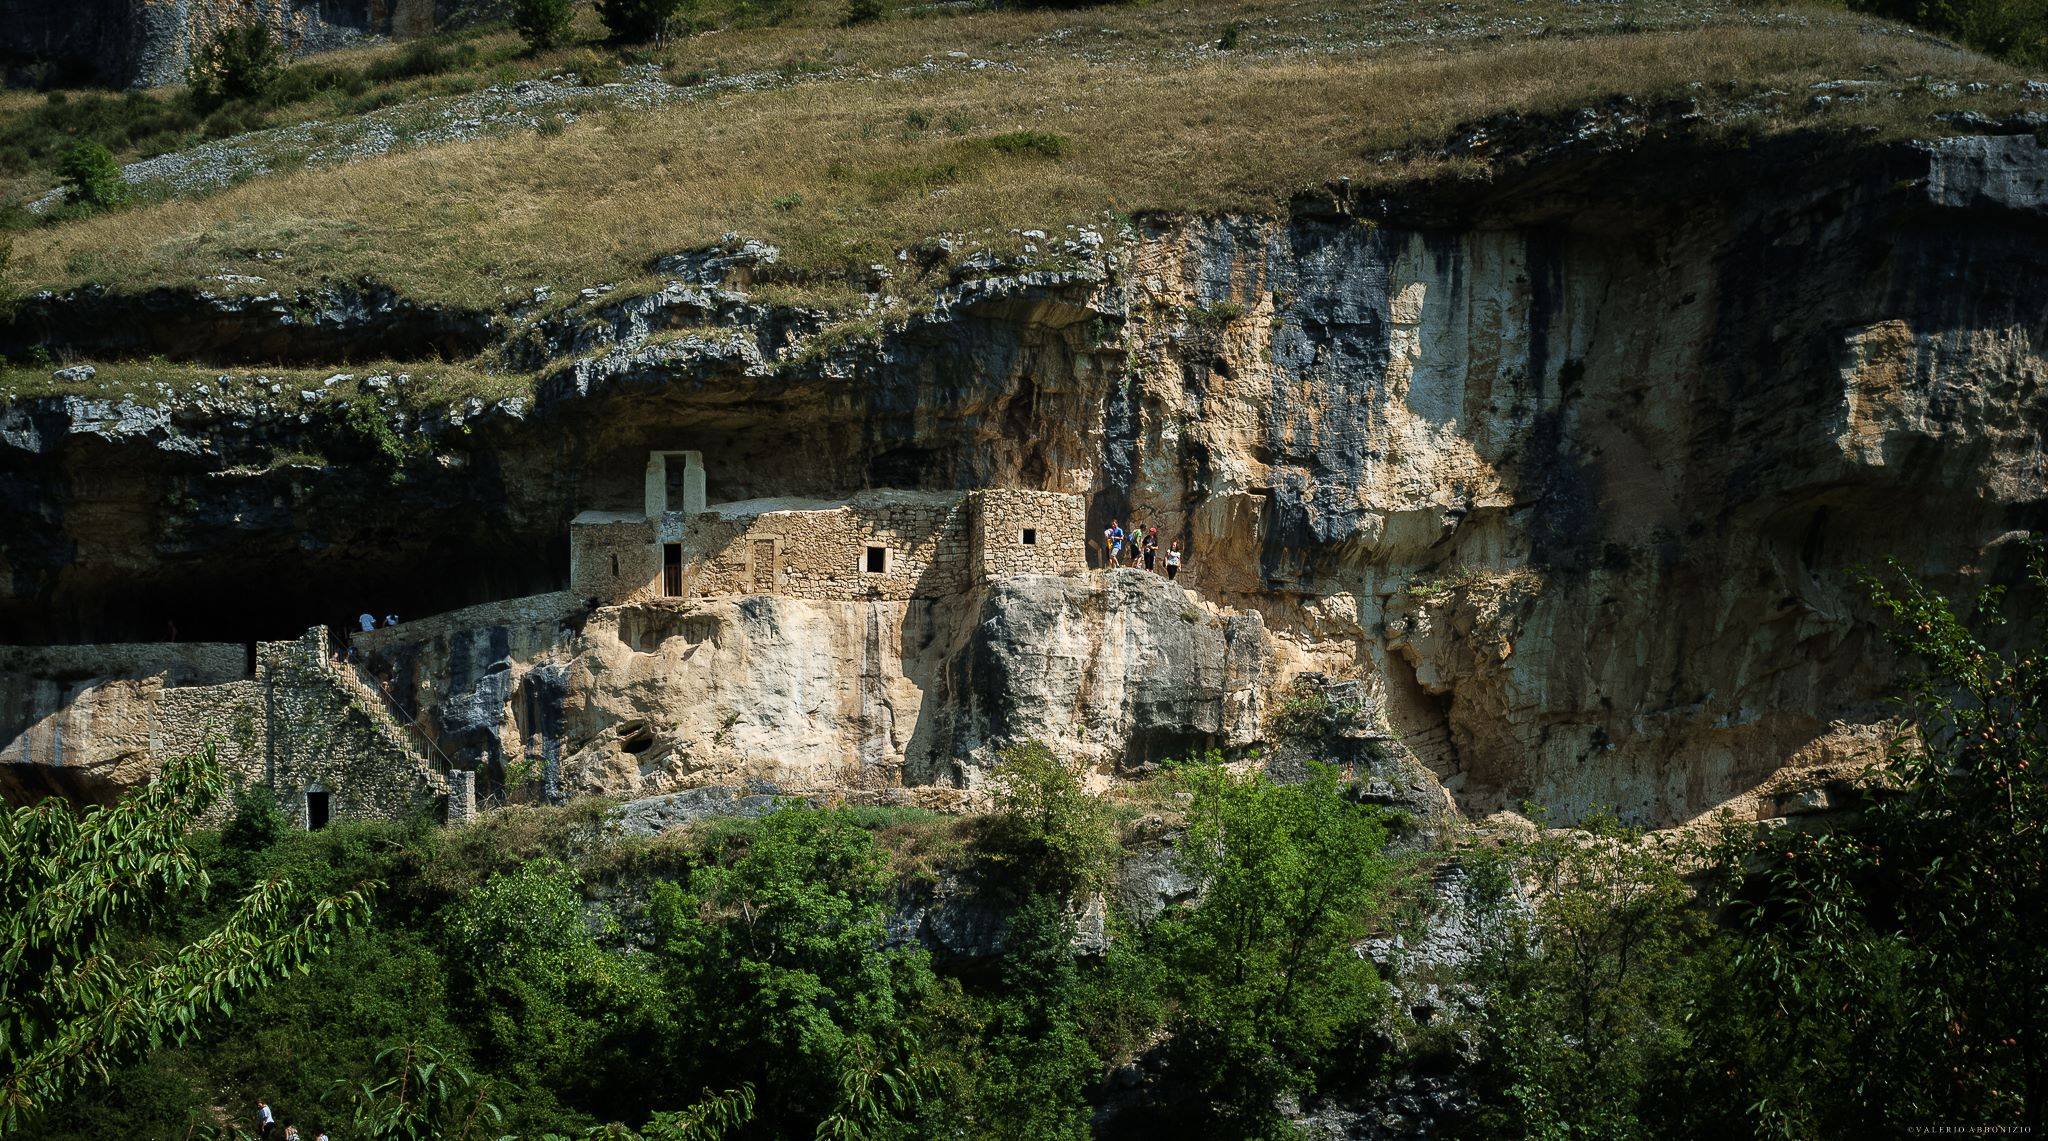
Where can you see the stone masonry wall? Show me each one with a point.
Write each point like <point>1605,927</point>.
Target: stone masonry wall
<point>935,544</point>
<point>613,558</point>
<point>294,725</point>
<point>1055,520</point>
<point>821,554</point>
<point>321,731</point>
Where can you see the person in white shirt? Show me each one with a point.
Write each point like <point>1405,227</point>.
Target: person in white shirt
<point>367,621</point>
<point>265,1120</point>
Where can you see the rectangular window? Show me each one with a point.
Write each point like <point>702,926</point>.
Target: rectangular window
<point>1029,537</point>
<point>672,570</point>
<point>316,810</point>
<point>878,560</point>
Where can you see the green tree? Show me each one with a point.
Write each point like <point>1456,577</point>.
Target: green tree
<point>1891,971</point>
<point>240,59</point>
<point>638,21</point>
<point>1581,993</point>
<point>2016,30</point>
<point>75,998</point>
<point>1033,1062</point>
<point>553,1013</point>
<point>779,944</point>
<point>1046,833</point>
<point>422,1095</point>
<point>92,179</point>
<point>1262,971</point>
<point>543,24</point>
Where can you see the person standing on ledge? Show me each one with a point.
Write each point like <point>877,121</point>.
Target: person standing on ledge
<point>1173,560</point>
<point>1151,546</point>
<point>1113,536</point>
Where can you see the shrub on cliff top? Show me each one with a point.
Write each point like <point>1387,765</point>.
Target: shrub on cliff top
<point>2015,30</point>
<point>92,179</point>
<point>239,60</point>
<point>638,21</point>
<point>543,24</point>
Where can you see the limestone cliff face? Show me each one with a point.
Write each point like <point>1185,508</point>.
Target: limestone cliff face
<point>1567,472</point>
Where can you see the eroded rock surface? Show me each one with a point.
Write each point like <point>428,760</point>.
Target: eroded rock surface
<point>1564,475</point>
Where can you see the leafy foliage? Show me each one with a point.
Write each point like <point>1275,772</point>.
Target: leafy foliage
<point>1047,834</point>
<point>72,1004</point>
<point>1262,971</point>
<point>92,179</point>
<point>543,24</point>
<point>708,1120</point>
<point>1873,974</point>
<point>240,59</point>
<point>1893,970</point>
<point>638,21</point>
<point>778,937</point>
<point>542,998</point>
<point>425,1096</point>
<point>2016,30</point>
<point>1579,994</point>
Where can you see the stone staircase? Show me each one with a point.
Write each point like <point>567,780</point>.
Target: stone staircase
<point>406,737</point>
<point>405,746</point>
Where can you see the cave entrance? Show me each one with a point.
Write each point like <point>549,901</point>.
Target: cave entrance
<point>317,812</point>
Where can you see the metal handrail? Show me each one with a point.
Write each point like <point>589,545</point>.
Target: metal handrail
<point>396,712</point>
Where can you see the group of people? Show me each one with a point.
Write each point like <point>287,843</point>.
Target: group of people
<point>368,622</point>
<point>1139,545</point>
<point>266,1126</point>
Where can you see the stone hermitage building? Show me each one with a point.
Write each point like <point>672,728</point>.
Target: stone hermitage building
<point>892,545</point>
<point>332,739</point>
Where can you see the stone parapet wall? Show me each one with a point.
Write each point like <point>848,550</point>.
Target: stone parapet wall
<point>534,611</point>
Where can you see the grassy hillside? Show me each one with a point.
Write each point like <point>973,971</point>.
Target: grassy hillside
<point>843,145</point>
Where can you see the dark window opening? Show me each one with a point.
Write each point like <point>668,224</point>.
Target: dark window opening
<point>672,570</point>
<point>316,809</point>
<point>878,559</point>
<point>1030,537</point>
<point>249,661</point>
<point>615,566</point>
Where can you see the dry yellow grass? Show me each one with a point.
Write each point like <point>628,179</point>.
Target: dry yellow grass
<point>841,172</point>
